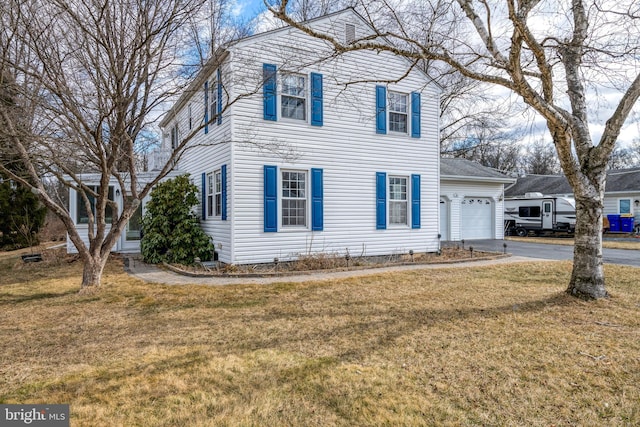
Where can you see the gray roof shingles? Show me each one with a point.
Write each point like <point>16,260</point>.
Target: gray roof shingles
<point>467,168</point>
<point>623,180</point>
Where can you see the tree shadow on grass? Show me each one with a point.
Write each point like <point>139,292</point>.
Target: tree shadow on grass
<point>10,299</point>
<point>380,329</point>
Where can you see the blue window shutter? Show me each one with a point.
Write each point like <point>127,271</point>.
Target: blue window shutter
<point>270,198</point>
<point>415,201</point>
<point>316,99</point>
<point>381,200</point>
<point>269,92</point>
<point>381,109</point>
<point>219,89</point>
<point>204,195</point>
<point>223,183</point>
<point>415,115</point>
<point>206,107</point>
<point>317,214</point>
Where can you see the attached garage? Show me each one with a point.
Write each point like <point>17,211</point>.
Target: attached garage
<point>477,218</point>
<point>471,201</point>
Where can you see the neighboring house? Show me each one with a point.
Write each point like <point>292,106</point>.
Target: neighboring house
<point>299,162</point>
<point>621,197</point>
<point>471,201</point>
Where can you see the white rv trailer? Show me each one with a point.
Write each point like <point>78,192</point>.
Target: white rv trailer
<point>538,214</point>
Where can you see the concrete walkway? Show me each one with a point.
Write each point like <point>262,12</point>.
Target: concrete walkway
<point>153,274</point>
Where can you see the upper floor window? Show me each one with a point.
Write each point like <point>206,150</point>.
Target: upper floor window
<point>398,112</point>
<point>398,203</point>
<point>293,97</point>
<point>294,198</point>
<point>190,117</point>
<point>174,137</point>
<point>213,100</point>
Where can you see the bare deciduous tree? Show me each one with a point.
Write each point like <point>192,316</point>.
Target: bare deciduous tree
<point>88,77</point>
<point>540,159</point>
<point>546,53</point>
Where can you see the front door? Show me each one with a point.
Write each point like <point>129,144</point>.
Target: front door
<point>547,215</point>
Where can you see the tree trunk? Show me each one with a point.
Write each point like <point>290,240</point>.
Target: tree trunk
<point>587,277</point>
<point>92,273</point>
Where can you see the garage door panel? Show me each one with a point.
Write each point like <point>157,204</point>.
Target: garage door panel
<point>477,218</point>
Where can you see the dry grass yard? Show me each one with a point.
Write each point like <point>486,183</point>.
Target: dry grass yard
<point>486,346</point>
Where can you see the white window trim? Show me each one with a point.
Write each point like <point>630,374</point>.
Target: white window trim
<point>406,113</point>
<point>307,226</point>
<point>217,192</point>
<point>281,94</point>
<point>213,100</point>
<point>175,136</point>
<point>210,195</point>
<point>407,222</point>
<point>630,205</point>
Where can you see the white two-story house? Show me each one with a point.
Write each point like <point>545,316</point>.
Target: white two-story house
<point>306,152</point>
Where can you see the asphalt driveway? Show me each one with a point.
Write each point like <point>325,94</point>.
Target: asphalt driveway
<point>555,252</point>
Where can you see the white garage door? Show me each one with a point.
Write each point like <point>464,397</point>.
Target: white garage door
<point>444,220</point>
<point>477,218</point>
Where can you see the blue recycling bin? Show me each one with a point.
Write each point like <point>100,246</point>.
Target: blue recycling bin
<point>626,224</point>
<point>614,222</point>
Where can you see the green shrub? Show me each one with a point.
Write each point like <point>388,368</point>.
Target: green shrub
<point>171,232</point>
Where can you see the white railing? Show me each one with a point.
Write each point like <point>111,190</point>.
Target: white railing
<point>158,158</point>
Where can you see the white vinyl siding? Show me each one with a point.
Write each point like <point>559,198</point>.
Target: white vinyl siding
<point>456,194</point>
<point>346,148</point>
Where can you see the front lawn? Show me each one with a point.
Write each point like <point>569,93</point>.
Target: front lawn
<point>499,345</point>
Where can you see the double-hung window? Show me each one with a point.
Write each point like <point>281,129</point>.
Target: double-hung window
<point>214,193</point>
<point>398,200</point>
<point>210,194</point>
<point>294,199</point>
<point>398,112</point>
<point>293,97</point>
<point>174,137</point>
<point>218,192</point>
<point>213,100</point>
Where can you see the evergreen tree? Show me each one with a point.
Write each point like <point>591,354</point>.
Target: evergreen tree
<point>171,232</point>
<point>21,214</point>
